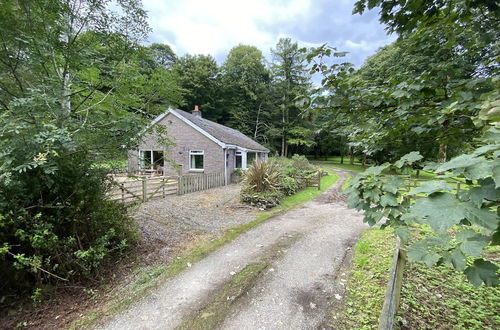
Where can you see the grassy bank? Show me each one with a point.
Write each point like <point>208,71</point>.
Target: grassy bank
<point>154,276</point>
<point>367,282</point>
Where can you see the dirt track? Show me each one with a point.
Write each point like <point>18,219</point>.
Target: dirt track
<point>294,293</point>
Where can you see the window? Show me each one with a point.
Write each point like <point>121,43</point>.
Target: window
<point>239,160</point>
<point>196,160</point>
<point>151,159</point>
<point>251,156</point>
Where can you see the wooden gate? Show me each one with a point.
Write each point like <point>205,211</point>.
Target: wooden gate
<point>144,189</point>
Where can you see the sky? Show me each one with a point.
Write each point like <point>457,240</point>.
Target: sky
<point>214,27</point>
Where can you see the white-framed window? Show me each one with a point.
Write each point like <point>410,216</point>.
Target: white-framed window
<point>238,161</point>
<point>150,159</point>
<point>196,160</point>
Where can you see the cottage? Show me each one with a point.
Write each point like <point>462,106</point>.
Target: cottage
<point>194,145</point>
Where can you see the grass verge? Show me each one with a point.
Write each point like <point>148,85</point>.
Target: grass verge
<point>367,283</point>
<point>442,298</point>
<point>154,276</point>
<point>216,310</point>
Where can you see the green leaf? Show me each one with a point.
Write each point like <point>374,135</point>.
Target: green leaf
<point>419,252</point>
<point>482,271</point>
<point>486,191</point>
<point>485,149</point>
<point>496,172</point>
<point>408,159</point>
<point>483,217</point>
<point>472,243</point>
<point>457,259</point>
<point>376,170</point>
<point>402,232</point>
<point>430,187</point>
<point>479,171</point>
<point>462,161</point>
<point>388,200</point>
<point>392,184</point>
<point>441,211</point>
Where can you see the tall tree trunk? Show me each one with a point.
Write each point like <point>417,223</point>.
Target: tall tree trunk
<point>363,161</point>
<point>341,158</point>
<point>351,157</point>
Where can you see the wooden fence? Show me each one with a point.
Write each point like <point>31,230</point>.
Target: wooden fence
<point>145,188</point>
<point>192,183</point>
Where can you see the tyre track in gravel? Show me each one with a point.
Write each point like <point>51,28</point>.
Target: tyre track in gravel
<point>294,294</point>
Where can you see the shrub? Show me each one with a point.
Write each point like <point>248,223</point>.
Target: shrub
<point>55,221</point>
<point>288,185</point>
<point>262,177</point>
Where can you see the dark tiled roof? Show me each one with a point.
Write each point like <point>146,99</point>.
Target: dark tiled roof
<point>222,133</point>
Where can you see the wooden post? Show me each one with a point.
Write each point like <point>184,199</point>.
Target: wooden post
<point>179,185</point>
<point>319,180</point>
<point>163,186</point>
<point>123,192</point>
<point>144,189</point>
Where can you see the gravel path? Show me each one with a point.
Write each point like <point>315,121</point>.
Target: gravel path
<point>294,294</point>
<point>167,223</point>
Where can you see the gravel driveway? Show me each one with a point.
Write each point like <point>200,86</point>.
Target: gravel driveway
<point>167,223</point>
<point>295,293</point>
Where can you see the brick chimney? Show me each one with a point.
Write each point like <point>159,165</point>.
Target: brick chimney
<point>196,111</point>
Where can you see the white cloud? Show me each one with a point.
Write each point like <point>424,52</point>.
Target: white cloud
<point>212,27</point>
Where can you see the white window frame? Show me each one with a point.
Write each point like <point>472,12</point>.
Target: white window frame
<point>196,153</point>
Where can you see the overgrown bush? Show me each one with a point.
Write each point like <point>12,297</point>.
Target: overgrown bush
<point>55,222</point>
<point>266,183</point>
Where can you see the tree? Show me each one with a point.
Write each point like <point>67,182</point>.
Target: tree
<point>245,82</point>
<point>445,84</point>
<point>61,64</point>
<point>291,81</point>
<point>199,77</point>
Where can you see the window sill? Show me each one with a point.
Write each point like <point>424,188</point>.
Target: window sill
<point>197,170</point>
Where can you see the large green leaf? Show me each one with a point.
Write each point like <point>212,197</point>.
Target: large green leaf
<point>479,171</point>
<point>483,217</point>
<point>460,162</point>
<point>392,184</point>
<point>376,170</point>
<point>472,243</point>
<point>496,172</point>
<point>441,211</point>
<point>430,187</point>
<point>482,271</point>
<point>485,192</point>
<point>408,159</point>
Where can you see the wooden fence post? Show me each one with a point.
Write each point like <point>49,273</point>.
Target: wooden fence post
<point>319,180</point>
<point>123,192</point>
<point>144,189</point>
